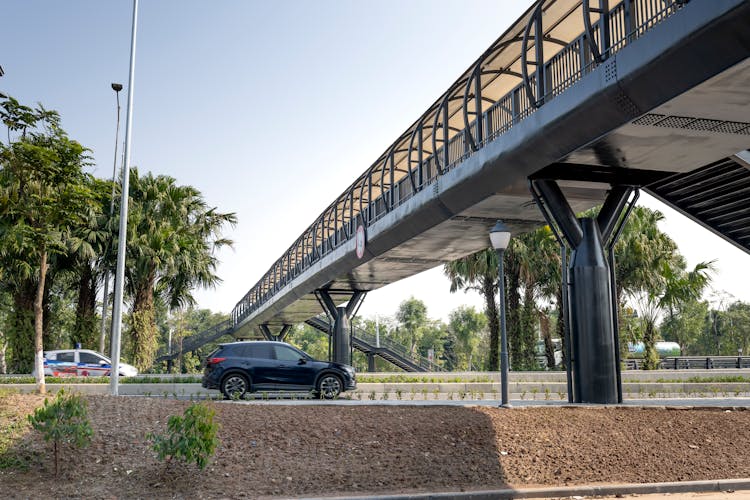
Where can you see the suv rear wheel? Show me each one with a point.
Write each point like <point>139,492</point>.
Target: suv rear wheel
<point>235,386</point>
<point>329,386</point>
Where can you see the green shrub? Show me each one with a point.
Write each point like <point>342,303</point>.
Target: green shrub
<point>63,421</point>
<point>190,438</point>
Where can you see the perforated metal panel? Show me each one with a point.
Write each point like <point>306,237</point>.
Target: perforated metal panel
<point>716,196</point>
<point>693,123</point>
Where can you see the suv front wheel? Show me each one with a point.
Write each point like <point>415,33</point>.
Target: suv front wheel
<point>235,386</point>
<point>329,386</point>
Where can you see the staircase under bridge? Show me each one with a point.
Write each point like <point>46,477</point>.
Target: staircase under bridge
<point>368,344</point>
<point>372,346</point>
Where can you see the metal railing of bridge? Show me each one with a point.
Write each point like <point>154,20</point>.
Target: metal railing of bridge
<point>511,81</point>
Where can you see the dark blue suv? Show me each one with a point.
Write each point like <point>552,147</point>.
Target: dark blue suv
<point>241,367</point>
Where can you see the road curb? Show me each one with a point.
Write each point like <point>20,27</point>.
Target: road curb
<point>568,491</point>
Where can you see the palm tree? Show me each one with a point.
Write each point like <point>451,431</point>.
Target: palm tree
<point>478,271</point>
<point>679,287</point>
<point>172,239</point>
<point>87,251</point>
<point>533,264</point>
<point>542,279</point>
<point>641,253</point>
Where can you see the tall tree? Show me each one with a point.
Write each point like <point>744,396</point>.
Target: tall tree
<point>686,325</point>
<point>676,286</point>
<point>412,319</point>
<point>172,238</point>
<point>478,272</point>
<point>42,194</point>
<point>467,324</point>
<point>537,258</point>
<point>88,260</point>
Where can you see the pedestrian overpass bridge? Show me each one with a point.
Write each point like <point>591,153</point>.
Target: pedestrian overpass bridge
<point>577,100</point>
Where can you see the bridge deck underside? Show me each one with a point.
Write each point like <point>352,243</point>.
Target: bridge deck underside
<point>677,112</point>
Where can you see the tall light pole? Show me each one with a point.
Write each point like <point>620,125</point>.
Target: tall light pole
<point>120,271</point>
<point>500,239</point>
<point>117,87</point>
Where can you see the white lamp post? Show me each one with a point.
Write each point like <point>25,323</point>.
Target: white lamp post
<point>120,271</point>
<point>500,239</point>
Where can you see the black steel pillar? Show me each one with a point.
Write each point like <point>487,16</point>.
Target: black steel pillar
<point>370,362</point>
<point>342,342</point>
<point>341,334</point>
<point>595,370</point>
<point>592,324</point>
<point>268,335</point>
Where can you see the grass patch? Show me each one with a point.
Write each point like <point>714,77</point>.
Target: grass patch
<point>13,426</point>
<point>723,379</point>
<point>193,379</point>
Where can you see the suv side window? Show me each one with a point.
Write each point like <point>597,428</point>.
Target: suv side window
<point>253,350</point>
<point>262,351</point>
<point>67,357</point>
<point>229,351</point>
<point>284,353</point>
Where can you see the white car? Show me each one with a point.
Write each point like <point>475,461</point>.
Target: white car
<point>82,363</point>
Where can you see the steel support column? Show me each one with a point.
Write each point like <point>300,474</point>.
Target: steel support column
<point>595,368</point>
<point>341,336</point>
<point>268,335</point>
<point>370,362</point>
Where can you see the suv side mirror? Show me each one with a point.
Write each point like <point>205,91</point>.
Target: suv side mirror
<point>302,361</point>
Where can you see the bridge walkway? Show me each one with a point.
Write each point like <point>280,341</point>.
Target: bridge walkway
<point>657,89</point>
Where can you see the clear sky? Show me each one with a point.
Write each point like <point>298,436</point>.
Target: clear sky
<point>271,109</point>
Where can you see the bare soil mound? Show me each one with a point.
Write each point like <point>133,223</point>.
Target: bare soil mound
<point>279,450</point>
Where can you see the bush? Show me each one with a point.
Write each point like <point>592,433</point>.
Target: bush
<point>64,421</point>
<point>190,438</point>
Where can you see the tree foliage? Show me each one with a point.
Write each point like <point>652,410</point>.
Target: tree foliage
<point>172,239</point>
<point>467,326</point>
<point>478,272</point>
<point>43,196</point>
<point>412,319</point>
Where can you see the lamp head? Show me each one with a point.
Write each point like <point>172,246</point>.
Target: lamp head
<point>117,87</point>
<point>500,236</point>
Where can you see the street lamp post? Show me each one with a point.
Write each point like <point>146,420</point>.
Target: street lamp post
<point>117,87</point>
<point>500,238</point>
<point>120,271</point>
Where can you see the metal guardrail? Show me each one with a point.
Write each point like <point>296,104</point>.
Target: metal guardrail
<point>694,362</point>
<point>431,146</point>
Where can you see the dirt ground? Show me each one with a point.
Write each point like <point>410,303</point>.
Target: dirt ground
<point>274,450</point>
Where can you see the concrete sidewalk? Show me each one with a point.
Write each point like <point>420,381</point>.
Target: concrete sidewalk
<point>712,490</point>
